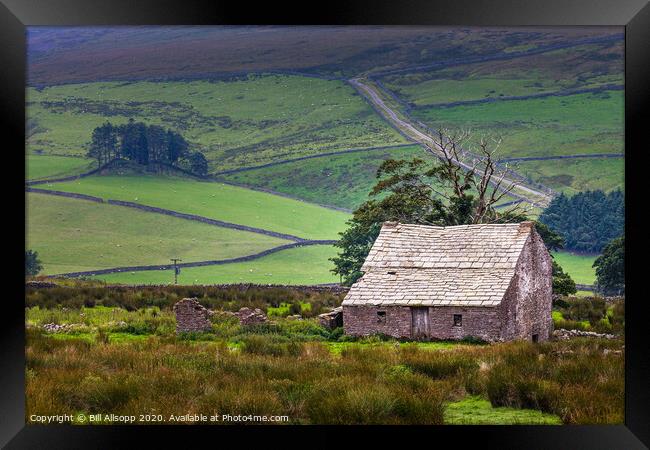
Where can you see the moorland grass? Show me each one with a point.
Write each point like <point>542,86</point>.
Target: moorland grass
<point>576,381</point>
<point>216,201</point>
<point>78,235</point>
<point>50,166</point>
<point>296,266</point>
<point>249,121</point>
<point>78,293</point>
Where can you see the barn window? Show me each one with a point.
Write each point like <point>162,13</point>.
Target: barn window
<point>381,316</point>
<point>458,320</point>
<point>535,337</point>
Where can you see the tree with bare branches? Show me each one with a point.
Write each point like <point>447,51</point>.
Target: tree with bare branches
<point>452,192</point>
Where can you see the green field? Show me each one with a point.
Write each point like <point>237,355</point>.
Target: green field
<point>340,180</point>
<point>578,266</point>
<point>296,266</point>
<point>77,235</point>
<point>585,66</point>
<point>250,121</point>
<point>217,201</point>
<point>575,175</point>
<point>48,166</point>
<point>575,124</point>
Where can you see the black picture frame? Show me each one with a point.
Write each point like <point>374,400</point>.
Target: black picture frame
<point>634,15</point>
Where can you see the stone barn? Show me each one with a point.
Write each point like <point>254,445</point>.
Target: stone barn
<point>491,281</point>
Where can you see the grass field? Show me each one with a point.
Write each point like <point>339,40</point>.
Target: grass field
<point>585,66</point>
<point>48,166</point>
<point>578,266</point>
<point>577,175</point>
<point>215,200</point>
<point>340,180</point>
<point>77,235</point>
<point>296,266</point>
<point>246,122</point>
<point>576,124</point>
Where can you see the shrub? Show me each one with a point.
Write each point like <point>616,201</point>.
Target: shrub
<point>336,334</point>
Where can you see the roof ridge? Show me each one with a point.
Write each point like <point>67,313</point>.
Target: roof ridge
<point>392,224</point>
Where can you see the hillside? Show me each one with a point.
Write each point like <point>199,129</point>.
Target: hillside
<point>287,130</point>
<point>237,123</point>
<point>85,54</point>
<point>546,106</point>
<point>77,235</point>
<point>216,201</point>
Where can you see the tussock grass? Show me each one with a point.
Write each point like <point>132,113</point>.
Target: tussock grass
<point>271,373</point>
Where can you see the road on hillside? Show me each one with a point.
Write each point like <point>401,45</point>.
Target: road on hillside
<point>422,138</point>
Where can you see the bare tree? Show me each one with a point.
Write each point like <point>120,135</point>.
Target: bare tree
<point>473,170</point>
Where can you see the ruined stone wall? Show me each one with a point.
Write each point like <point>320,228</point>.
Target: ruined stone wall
<point>526,308</point>
<point>191,316</point>
<point>363,321</point>
<point>480,322</point>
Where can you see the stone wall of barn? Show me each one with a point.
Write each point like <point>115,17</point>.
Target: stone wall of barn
<point>483,323</point>
<point>526,308</point>
<point>364,321</point>
<point>480,322</point>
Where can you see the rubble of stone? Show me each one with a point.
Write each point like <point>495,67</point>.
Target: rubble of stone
<point>295,317</point>
<point>249,316</point>
<point>332,319</point>
<point>562,334</point>
<point>191,316</point>
<point>54,328</point>
<point>40,284</point>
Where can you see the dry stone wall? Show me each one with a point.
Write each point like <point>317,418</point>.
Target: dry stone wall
<point>249,316</point>
<point>191,316</point>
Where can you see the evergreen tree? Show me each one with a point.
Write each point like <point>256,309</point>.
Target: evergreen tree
<point>610,268</point>
<point>32,264</point>
<point>588,220</point>
<point>563,284</point>
<point>143,144</point>
<point>198,163</point>
<point>177,147</point>
<point>103,145</point>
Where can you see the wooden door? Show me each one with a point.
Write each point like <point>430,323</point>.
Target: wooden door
<point>420,323</point>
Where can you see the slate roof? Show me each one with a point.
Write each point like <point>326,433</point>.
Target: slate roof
<point>466,265</point>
